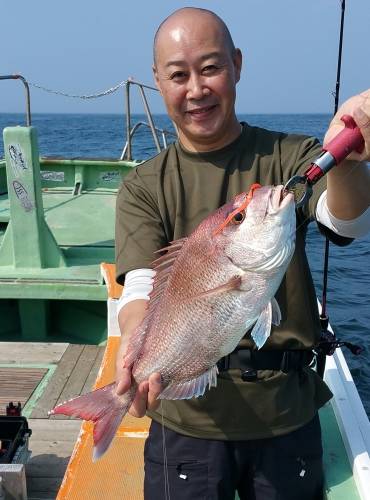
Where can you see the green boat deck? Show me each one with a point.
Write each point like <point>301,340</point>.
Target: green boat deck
<point>56,228</point>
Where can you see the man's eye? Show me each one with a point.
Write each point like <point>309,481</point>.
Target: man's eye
<point>209,69</point>
<point>178,75</point>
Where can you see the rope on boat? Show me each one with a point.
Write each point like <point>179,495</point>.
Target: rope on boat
<point>124,83</point>
<point>83,96</point>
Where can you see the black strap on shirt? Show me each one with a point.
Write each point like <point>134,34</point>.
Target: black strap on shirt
<point>249,361</point>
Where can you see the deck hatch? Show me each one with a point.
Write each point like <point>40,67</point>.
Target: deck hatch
<point>24,384</point>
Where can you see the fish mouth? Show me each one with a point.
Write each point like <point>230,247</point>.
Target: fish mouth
<point>279,199</point>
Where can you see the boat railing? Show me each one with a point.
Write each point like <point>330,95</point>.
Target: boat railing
<point>27,89</point>
<point>130,129</point>
<point>163,132</point>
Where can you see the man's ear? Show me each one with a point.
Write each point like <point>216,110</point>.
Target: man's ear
<point>238,61</point>
<point>156,79</point>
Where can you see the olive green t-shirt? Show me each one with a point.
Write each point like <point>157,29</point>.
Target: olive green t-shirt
<point>165,199</point>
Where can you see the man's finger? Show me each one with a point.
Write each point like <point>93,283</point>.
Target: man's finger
<point>361,118</point>
<point>155,388</point>
<point>139,405</point>
<point>124,382</point>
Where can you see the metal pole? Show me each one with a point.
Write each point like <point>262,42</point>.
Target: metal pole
<point>27,89</point>
<point>128,121</point>
<point>150,119</point>
<point>142,85</point>
<point>164,139</point>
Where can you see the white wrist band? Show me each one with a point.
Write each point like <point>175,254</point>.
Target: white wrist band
<point>138,285</point>
<point>354,228</point>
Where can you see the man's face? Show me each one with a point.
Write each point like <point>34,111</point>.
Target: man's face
<point>196,72</point>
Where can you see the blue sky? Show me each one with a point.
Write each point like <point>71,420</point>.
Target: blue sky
<point>289,48</point>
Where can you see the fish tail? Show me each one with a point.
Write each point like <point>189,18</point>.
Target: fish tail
<point>104,408</point>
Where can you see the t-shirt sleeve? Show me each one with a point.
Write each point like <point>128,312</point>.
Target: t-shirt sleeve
<point>139,227</point>
<point>307,149</point>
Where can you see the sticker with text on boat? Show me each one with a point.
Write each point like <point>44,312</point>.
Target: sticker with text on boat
<point>17,160</point>
<point>112,176</point>
<point>49,175</point>
<point>23,196</point>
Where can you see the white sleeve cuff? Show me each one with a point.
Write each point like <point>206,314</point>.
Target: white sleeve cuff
<point>138,285</point>
<point>354,228</point>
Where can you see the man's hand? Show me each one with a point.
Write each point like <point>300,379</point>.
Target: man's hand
<point>146,395</point>
<point>129,319</point>
<point>348,184</point>
<point>359,108</point>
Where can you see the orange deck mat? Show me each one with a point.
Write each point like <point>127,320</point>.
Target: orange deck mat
<point>108,272</point>
<point>119,474</point>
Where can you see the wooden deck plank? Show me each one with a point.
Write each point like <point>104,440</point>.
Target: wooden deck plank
<point>90,381</point>
<point>52,440</point>
<point>58,381</point>
<point>31,352</point>
<point>78,376</point>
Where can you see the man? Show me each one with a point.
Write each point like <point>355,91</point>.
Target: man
<point>259,436</point>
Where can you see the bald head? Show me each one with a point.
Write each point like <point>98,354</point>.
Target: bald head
<point>182,20</point>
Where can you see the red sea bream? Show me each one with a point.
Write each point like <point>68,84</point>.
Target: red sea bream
<point>209,290</point>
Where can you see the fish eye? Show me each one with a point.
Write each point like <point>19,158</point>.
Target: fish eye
<point>238,217</point>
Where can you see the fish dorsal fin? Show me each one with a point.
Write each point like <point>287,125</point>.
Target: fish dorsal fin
<point>163,266</point>
<point>191,388</point>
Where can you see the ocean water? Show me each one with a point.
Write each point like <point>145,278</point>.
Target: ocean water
<point>96,136</point>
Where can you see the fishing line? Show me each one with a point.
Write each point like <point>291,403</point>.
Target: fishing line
<point>167,493</point>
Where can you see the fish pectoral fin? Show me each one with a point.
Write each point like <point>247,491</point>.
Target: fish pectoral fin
<point>191,388</point>
<point>262,329</point>
<point>276,313</point>
<point>234,283</point>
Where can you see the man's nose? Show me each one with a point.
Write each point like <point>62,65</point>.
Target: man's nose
<point>196,87</point>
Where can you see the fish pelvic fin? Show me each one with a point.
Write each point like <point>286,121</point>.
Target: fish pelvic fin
<point>262,328</point>
<point>191,388</point>
<point>276,313</point>
<point>104,408</point>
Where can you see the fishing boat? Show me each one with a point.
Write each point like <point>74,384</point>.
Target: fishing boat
<point>59,332</point>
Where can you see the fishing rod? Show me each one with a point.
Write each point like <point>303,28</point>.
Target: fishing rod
<point>333,153</point>
<point>348,140</point>
<point>323,316</point>
<point>329,342</point>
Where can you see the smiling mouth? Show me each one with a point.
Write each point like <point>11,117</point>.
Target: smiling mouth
<point>201,111</point>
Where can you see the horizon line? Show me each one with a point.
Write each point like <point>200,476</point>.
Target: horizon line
<point>157,114</point>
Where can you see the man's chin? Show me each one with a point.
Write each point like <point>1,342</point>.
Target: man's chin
<point>198,140</point>
<point>203,131</point>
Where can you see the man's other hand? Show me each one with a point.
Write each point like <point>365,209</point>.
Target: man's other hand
<point>130,317</point>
